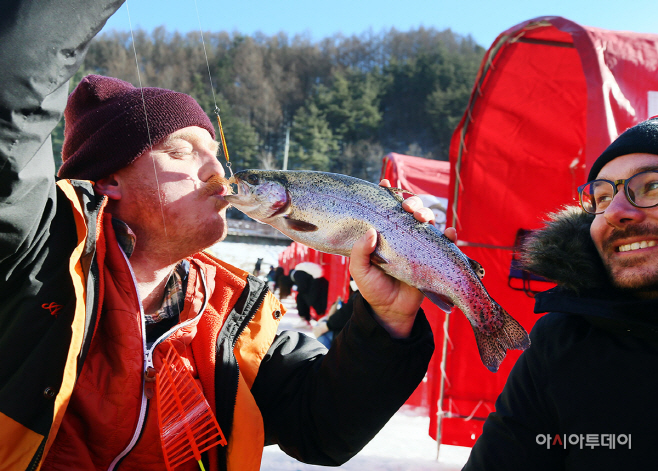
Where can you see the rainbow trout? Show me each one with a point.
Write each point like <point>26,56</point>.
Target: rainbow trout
<point>329,212</point>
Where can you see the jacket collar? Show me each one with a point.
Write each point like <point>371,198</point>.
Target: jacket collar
<point>563,252</point>
<point>125,236</point>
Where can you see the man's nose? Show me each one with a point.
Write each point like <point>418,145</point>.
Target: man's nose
<point>620,212</point>
<point>211,166</point>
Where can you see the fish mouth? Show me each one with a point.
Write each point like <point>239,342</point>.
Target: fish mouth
<point>241,186</point>
<point>240,196</point>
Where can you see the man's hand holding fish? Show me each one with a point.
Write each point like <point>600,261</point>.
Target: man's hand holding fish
<point>393,302</point>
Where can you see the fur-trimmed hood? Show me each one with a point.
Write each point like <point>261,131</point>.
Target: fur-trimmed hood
<point>563,251</point>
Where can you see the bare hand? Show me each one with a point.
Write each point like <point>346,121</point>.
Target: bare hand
<point>394,303</point>
<point>451,234</point>
<point>414,205</point>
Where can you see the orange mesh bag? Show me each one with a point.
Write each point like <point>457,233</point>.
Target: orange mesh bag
<point>187,425</point>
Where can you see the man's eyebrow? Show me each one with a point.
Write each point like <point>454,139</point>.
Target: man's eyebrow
<point>646,168</point>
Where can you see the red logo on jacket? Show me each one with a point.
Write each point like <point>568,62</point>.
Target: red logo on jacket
<point>54,308</point>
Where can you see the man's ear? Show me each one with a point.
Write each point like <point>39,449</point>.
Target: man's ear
<point>108,186</point>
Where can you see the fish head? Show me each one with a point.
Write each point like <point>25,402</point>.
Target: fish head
<point>260,194</point>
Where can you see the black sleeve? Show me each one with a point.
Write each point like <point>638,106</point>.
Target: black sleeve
<point>323,407</point>
<point>339,318</point>
<point>42,44</point>
<point>509,439</point>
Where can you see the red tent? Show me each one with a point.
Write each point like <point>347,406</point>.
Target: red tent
<point>416,174</point>
<point>550,95</point>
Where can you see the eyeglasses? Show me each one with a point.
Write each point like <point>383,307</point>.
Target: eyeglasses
<point>641,190</point>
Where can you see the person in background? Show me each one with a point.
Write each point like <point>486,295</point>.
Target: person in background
<point>583,396</point>
<point>278,273</point>
<point>103,272</point>
<point>328,328</point>
<point>271,275</point>
<point>282,283</point>
<point>312,292</point>
<point>271,278</point>
<point>257,267</point>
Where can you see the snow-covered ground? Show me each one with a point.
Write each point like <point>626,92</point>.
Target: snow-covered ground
<point>402,445</point>
<point>244,256</point>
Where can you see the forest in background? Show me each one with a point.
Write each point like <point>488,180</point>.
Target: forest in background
<point>345,102</point>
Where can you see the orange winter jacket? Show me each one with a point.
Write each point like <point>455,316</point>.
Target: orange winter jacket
<point>112,413</point>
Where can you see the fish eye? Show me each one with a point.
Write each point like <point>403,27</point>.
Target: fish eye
<point>253,179</point>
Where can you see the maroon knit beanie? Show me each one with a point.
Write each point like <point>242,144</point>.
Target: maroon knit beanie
<point>106,129</point>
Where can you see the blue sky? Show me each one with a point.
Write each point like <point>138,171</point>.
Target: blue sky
<point>483,20</point>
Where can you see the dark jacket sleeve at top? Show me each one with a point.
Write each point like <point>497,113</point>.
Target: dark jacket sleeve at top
<point>39,52</point>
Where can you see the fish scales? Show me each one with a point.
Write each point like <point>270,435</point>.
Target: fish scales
<point>346,219</point>
<point>330,212</point>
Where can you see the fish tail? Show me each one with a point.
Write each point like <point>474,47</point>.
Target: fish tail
<point>493,345</point>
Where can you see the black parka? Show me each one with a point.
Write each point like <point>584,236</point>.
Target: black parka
<point>584,395</point>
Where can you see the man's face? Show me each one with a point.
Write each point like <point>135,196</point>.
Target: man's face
<point>168,197</point>
<point>625,236</point>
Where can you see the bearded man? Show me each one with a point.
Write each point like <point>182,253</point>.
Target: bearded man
<point>583,396</point>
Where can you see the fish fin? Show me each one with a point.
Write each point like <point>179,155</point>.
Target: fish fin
<point>493,345</point>
<point>440,300</point>
<point>300,226</point>
<point>477,268</point>
<point>377,259</point>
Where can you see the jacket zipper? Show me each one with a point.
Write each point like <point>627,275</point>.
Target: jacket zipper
<point>259,302</point>
<point>36,459</point>
<point>245,322</point>
<point>148,362</point>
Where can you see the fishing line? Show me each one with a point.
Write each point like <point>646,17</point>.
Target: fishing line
<point>207,412</point>
<point>212,90</point>
<point>148,133</point>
